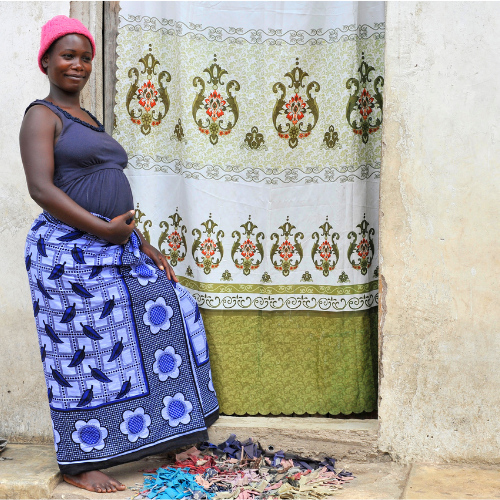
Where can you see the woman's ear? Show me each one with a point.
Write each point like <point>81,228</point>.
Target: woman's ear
<point>45,61</point>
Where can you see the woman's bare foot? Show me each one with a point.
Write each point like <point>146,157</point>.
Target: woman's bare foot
<point>95,481</point>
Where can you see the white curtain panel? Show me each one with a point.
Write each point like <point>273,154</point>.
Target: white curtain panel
<point>254,138</point>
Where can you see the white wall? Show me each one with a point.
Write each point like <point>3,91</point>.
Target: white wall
<point>24,412</point>
<point>440,207</point>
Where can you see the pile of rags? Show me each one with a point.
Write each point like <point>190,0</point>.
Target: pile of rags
<point>242,471</point>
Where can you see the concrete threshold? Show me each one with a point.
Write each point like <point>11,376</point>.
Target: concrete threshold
<point>299,423</point>
<point>349,439</point>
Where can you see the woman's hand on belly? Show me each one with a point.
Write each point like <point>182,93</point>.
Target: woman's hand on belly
<point>118,231</point>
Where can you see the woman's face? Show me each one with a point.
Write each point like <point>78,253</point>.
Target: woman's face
<point>69,62</point>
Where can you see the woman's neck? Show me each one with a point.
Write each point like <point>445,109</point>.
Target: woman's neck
<point>63,99</point>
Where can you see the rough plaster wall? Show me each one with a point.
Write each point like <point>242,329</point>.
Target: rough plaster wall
<point>439,397</point>
<point>24,412</point>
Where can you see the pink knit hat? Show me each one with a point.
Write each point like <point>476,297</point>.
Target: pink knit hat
<point>58,27</point>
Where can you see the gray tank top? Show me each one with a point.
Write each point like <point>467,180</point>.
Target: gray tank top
<point>88,165</point>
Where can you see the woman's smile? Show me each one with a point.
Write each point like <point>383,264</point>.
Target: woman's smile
<point>77,79</point>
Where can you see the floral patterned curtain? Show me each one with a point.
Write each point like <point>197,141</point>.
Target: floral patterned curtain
<point>253,134</point>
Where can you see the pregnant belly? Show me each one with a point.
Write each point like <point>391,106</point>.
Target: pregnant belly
<point>105,192</point>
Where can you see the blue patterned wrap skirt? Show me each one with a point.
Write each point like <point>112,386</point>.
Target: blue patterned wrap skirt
<point>124,349</point>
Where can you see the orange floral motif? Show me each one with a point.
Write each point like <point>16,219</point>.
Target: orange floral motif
<point>148,103</point>
<point>174,240</point>
<point>368,105</point>
<point>363,248</point>
<point>365,104</point>
<point>215,105</point>
<point>286,250</point>
<point>296,107</point>
<point>208,247</point>
<point>249,254</point>
<point>148,95</point>
<point>247,249</point>
<point>325,250</point>
<point>328,250</point>
<point>295,117</point>
<point>219,114</point>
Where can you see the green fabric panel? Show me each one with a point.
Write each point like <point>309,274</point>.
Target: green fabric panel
<point>267,362</point>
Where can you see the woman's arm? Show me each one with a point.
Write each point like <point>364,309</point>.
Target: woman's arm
<point>39,128</point>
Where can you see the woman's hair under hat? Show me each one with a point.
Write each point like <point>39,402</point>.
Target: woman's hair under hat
<point>58,27</point>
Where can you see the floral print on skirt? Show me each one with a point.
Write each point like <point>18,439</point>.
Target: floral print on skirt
<point>124,349</point>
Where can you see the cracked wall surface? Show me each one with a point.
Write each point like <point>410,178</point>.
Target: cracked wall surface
<point>440,334</point>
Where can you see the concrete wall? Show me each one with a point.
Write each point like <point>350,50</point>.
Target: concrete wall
<point>24,412</point>
<point>440,329</point>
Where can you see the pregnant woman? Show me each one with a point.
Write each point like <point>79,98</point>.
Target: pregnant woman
<point>122,343</point>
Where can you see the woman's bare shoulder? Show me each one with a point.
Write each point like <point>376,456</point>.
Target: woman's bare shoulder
<point>40,116</point>
<point>37,111</point>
